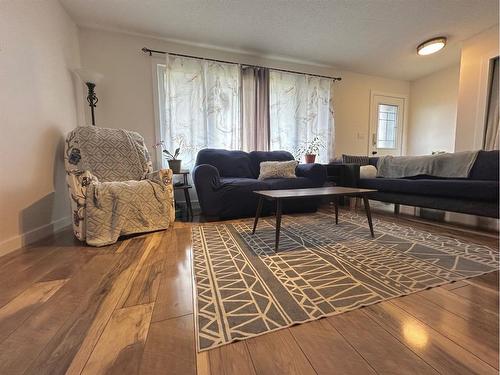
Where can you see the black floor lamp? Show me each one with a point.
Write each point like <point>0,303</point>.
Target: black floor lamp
<point>90,79</point>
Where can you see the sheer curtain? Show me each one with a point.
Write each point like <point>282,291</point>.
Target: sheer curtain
<point>199,106</point>
<point>301,108</point>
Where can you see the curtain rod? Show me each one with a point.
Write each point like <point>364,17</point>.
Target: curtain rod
<point>151,51</point>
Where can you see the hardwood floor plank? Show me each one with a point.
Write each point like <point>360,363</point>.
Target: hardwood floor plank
<point>145,284</point>
<point>24,345</point>
<point>231,359</point>
<point>119,349</point>
<point>378,347</point>
<point>203,363</point>
<point>175,295</point>
<point>77,337</point>
<point>454,285</point>
<point>489,281</point>
<point>440,352</point>
<point>277,353</point>
<point>327,350</point>
<point>68,268</point>
<point>13,314</point>
<point>15,281</point>
<point>467,333</point>
<point>135,250</point>
<point>462,307</point>
<point>170,348</point>
<point>483,297</point>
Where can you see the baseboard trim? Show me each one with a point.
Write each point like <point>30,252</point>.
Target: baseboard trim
<point>33,235</point>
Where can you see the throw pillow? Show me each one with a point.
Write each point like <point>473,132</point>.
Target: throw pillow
<point>277,169</point>
<point>367,171</point>
<point>353,159</point>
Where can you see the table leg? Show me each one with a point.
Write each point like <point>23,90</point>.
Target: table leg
<point>278,224</point>
<point>368,214</point>
<point>336,203</point>
<point>257,214</point>
<point>188,203</point>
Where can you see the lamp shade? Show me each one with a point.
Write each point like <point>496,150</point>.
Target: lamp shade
<point>88,76</point>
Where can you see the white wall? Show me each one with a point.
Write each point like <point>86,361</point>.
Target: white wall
<point>352,109</point>
<point>126,93</point>
<point>433,112</point>
<point>38,46</point>
<point>473,88</point>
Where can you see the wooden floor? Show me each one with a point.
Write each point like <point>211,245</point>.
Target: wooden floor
<point>128,309</point>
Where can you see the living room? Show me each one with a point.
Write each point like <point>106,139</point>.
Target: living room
<point>332,207</point>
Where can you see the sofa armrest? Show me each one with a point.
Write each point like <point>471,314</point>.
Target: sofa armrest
<point>165,177</point>
<point>78,181</point>
<point>206,181</point>
<point>315,172</point>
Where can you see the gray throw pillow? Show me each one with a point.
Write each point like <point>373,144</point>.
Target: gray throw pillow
<point>354,159</point>
<point>277,169</point>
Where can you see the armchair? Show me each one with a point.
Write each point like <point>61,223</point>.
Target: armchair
<point>112,187</point>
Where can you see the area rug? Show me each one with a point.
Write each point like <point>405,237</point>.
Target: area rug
<point>244,288</point>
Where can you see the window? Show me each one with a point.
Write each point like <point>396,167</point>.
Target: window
<point>199,106</point>
<point>300,110</point>
<point>387,126</point>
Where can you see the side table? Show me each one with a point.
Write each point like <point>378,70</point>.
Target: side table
<point>185,187</point>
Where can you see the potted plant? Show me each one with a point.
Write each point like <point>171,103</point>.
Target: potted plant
<point>173,163</point>
<point>311,150</point>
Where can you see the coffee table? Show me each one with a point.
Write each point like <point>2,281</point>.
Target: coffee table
<point>336,192</point>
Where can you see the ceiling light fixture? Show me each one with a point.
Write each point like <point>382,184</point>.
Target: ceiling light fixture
<point>431,46</point>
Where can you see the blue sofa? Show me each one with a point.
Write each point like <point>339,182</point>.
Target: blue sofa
<point>225,181</point>
<point>475,195</point>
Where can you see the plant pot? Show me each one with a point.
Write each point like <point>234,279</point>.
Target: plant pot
<point>175,165</point>
<point>310,158</point>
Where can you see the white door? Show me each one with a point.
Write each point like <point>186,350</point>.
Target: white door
<point>386,125</point>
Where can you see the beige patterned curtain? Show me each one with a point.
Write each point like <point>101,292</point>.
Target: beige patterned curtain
<point>199,106</point>
<point>301,108</point>
<point>491,135</point>
<point>255,108</point>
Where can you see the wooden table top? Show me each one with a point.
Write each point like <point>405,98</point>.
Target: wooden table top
<point>312,192</point>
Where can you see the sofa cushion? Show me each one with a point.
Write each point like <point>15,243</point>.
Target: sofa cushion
<point>463,189</point>
<point>289,183</point>
<point>239,183</point>
<point>258,157</point>
<point>277,169</point>
<point>486,166</point>
<point>228,163</point>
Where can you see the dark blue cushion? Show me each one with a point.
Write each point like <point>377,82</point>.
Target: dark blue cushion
<point>463,189</point>
<point>257,157</point>
<point>228,163</point>
<point>289,183</point>
<point>486,166</point>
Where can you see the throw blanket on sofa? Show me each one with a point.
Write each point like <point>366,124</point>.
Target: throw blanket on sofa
<point>112,154</point>
<point>449,165</point>
<point>119,208</point>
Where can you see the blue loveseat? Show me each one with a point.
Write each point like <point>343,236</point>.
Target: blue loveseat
<point>225,181</point>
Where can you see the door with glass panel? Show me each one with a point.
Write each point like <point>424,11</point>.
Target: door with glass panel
<point>386,125</point>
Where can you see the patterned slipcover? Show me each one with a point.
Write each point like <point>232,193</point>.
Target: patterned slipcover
<point>112,186</point>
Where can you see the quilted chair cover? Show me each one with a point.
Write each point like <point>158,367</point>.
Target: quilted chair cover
<point>112,186</point>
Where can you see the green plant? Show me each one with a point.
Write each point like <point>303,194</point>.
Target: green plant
<point>309,148</point>
<point>313,147</point>
<point>168,154</point>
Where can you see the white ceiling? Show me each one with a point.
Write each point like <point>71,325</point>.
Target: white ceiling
<point>370,36</point>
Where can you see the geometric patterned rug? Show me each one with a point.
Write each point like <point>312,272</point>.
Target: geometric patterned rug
<point>245,289</point>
